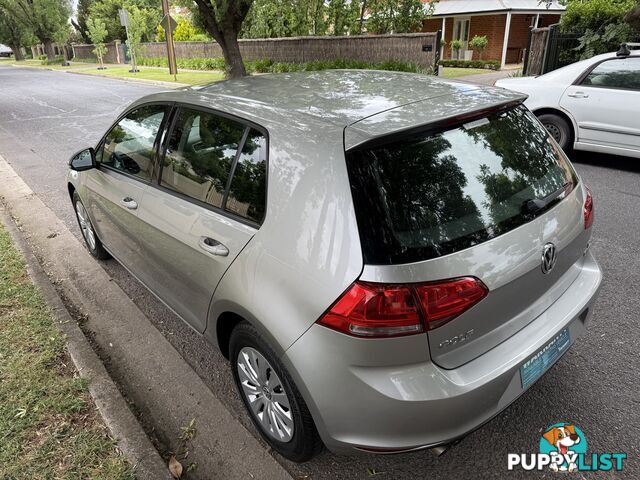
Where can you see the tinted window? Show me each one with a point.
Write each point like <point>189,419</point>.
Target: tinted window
<point>248,185</point>
<point>129,146</point>
<point>435,194</point>
<point>202,147</point>
<point>619,73</point>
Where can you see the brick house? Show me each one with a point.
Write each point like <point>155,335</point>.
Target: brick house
<point>506,24</point>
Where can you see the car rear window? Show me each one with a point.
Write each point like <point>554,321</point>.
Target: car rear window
<point>438,192</point>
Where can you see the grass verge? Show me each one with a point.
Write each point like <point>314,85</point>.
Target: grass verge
<point>49,426</point>
<point>190,78</point>
<point>456,72</point>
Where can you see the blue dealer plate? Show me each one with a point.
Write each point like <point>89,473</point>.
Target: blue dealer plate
<point>544,358</point>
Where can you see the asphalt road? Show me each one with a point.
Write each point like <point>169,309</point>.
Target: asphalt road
<point>46,116</point>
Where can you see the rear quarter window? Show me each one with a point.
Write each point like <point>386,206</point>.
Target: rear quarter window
<point>436,193</point>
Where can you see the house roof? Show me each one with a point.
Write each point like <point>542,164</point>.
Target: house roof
<point>462,7</point>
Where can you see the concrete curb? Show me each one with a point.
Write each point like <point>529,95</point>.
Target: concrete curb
<point>122,424</point>
<point>167,393</point>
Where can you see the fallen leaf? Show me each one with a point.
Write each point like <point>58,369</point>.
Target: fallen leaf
<point>175,467</point>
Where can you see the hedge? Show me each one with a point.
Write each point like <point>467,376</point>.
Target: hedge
<point>267,66</point>
<point>486,64</point>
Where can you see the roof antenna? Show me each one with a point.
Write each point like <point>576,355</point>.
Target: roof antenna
<point>624,51</point>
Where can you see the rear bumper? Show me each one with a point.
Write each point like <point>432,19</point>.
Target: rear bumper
<point>387,394</point>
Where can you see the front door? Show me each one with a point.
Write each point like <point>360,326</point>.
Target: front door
<point>208,204</point>
<point>116,189</point>
<point>605,104</point>
<point>461,32</point>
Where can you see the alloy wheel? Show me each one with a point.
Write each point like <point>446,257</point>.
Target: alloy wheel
<point>85,225</point>
<point>265,395</point>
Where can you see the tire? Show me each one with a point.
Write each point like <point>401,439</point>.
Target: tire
<point>559,129</point>
<point>91,240</point>
<point>301,442</point>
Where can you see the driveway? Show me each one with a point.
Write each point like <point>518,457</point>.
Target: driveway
<point>45,116</point>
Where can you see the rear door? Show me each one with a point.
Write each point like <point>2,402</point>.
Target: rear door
<point>605,103</point>
<point>479,199</point>
<point>208,203</point>
<point>115,190</point>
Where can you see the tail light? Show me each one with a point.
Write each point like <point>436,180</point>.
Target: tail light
<point>378,310</point>
<point>588,210</point>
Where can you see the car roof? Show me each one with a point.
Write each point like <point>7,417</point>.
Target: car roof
<point>340,98</point>
<point>569,72</point>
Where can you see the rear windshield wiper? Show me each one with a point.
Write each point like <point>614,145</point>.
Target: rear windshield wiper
<point>536,205</point>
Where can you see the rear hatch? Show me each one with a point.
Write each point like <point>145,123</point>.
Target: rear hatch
<point>480,198</point>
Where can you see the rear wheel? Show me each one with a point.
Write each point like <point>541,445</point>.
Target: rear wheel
<point>270,396</point>
<point>558,128</point>
<point>91,240</point>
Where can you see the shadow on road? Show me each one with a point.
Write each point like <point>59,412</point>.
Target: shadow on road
<point>616,162</point>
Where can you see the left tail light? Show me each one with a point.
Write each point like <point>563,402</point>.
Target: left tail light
<point>375,310</point>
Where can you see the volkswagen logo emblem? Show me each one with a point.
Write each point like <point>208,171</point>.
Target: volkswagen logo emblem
<point>549,257</point>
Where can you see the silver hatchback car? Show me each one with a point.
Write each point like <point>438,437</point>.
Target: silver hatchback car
<point>388,260</point>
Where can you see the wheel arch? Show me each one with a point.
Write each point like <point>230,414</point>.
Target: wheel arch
<point>562,114</point>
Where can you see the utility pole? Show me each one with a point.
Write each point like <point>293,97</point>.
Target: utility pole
<point>169,25</point>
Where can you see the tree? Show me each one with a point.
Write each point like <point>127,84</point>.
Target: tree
<point>97,32</point>
<point>137,25</point>
<point>82,17</point>
<point>45,18</point>
<point>600,22</point>
<point>13,33</point>
<point>479,43</point>
<point>633,17</point>
<point>223,20</point>
<point>107,12</point>
<point>397,16</point>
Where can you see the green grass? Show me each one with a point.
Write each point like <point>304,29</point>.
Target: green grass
<point>191,78</point>
<point>38,64</point>
<point>455,72</point>
<point>49,426</point>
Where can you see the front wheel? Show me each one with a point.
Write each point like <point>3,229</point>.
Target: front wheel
<point>274,403</point>
<point>558,128</point>
<point>91,240</point>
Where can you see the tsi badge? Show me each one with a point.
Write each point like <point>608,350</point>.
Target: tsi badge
<point>563,448</point>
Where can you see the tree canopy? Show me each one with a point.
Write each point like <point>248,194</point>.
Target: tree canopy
<point>149,13</point>
<point>44,18</point>
<point>13,33</point>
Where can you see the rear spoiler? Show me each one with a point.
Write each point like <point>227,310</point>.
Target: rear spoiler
<point>433,114</point>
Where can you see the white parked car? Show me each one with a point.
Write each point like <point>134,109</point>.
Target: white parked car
<point>5,51</point>
<point>591,105</point>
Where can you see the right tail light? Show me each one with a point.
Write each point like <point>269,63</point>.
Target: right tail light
<point>588,210</point>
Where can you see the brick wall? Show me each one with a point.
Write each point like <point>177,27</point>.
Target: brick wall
<point>372,48</point>
<point>493,27</point>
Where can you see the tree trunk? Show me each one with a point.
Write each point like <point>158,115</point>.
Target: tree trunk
<point>17,52</point>
<point>232,56</point>
<point>48,49</point>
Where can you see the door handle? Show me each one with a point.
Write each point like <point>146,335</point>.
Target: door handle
<point>578,95</point>
<point>213,246</point>
<point>130,203</point>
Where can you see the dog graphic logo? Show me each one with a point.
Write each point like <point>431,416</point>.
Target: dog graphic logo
<point>565,441</point>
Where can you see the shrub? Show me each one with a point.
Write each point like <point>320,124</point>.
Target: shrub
<point>486,64</point>
<point>59,60</point>
<point>479,43</point>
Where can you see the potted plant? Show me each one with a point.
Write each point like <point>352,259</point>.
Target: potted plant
<point>479,44</point>
<point>456,46</point>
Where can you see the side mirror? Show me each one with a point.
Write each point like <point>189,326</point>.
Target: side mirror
<point>83,160</point>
